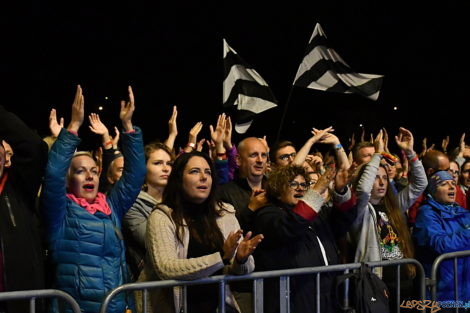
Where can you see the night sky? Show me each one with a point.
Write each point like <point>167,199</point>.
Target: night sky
<point>171,53</point>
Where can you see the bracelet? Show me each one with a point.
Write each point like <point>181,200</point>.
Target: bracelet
<point>191,144</point>
<point>108,143</point>
<point>222,156</point>
<point>338,147</point>
<point>415,158</point>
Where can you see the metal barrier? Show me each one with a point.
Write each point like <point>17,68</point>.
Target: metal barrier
<point>41,293</point>
<point>435,266</point>
<point>258,279</point>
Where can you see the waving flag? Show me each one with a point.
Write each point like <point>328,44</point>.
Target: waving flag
<point>323,69</point>
<point>244,88</point>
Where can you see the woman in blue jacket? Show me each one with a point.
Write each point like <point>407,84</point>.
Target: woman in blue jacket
<point>84,226</point>
<point>442,226</point>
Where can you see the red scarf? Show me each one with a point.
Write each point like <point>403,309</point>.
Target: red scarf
<point>99,204</point>
<point>3,180</point>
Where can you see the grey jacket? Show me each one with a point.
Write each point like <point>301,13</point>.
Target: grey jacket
<point>364,228</point>
<point>134,228</point>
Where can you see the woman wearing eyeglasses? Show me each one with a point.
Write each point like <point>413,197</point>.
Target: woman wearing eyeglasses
<point>296,235</point>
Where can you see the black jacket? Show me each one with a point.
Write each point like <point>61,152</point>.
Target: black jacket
<point>20,234</point>
<point>290,241</point>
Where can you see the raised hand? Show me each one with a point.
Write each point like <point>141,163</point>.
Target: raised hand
<point>462,146</point>
<point>378,142</point>
<point>424,147</point>
<point>385,139</point>
<point>192,138</point>
<point>78,111</point>
<point>127,110</point>
<point>352,142</point>
<point>217,134</point>
<point>265,142</point>
<point>115,140</point>
<point>172,128</point>
<point>96,125</point>
<point>323,134</point>
<point>405,140</point>
<point>344,177</point>
<point>200,145</point>
<point>363,134</point>
<point>325,180</point>
<point>55,126</point>
<point>247,246</point>
<point>445,143</point>
<point>228,133</point>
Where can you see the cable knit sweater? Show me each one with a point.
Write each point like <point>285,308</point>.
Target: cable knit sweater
<point>167,258</point>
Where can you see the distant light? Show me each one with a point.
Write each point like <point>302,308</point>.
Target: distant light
<point>100,108</point>
<point>395,108</point>
<point>106,98</point>
<point>360,125</point>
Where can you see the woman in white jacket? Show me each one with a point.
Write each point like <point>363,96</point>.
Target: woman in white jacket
<point>190,236</point>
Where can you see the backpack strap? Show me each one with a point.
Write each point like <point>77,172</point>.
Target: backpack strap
<point>340,280</point>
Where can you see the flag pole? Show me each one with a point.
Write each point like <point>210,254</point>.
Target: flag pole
<point>284,114</point>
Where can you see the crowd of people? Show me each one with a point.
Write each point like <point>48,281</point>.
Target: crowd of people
<point>86,222</point>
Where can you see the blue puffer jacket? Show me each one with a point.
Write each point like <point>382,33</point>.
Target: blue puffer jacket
<point>442,229</point>
<point>87,249</point>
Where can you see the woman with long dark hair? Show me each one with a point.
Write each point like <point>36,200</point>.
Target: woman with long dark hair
<point>191,235</point>
<point>380,230</point>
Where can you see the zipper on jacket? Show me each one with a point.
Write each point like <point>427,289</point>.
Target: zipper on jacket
<point>12,217</point>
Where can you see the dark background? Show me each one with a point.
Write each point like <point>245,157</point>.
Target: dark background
<point>171,53</point>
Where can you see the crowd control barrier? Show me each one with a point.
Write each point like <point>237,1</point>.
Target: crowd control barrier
<point>434,273</point>
<point>258,278</point>
<point>41,293</point>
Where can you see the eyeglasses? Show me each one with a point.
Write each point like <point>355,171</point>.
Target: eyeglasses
<point>284,157</point>
<point>294,185</point>
<point>454,172</point>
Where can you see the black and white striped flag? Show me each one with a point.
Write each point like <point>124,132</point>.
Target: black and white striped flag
<point>245,88</point>
<point>323,69</point>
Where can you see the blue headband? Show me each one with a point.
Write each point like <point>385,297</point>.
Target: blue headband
<point>436,179</point>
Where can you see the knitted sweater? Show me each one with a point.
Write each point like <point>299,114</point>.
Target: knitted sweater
<point>168,257</point>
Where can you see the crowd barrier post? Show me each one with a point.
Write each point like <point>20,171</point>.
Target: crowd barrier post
<point>40,293</point>
<point>434,273</point>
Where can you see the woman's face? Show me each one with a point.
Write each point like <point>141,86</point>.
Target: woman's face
<point>159,166</point>
<point>465,175</point>
<point>295,190</point>
<point>197,180</point>
<point>379,189</point>
<point>454,170</point>
<point>445,192</point>
<point>83,178</point>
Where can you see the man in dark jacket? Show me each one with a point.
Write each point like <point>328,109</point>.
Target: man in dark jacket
<point>22,257</point>
<point>246,195</point>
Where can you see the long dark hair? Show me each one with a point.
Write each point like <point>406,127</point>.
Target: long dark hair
<point>397,220</point>
<point>183,210</point>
